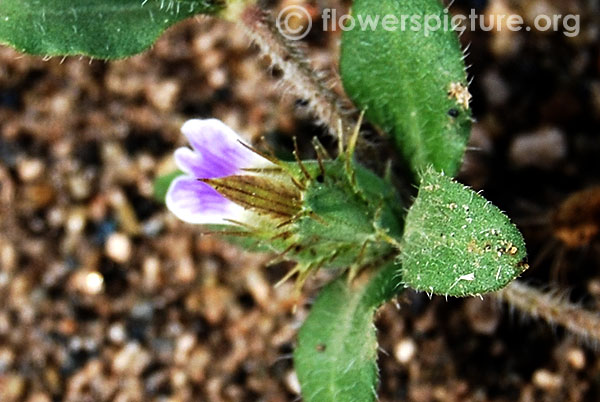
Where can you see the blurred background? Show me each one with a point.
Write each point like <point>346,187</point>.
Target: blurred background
<point>105,296</point>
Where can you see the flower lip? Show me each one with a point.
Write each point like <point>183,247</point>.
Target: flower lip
<point>217,151</point>
<point>196,202</point>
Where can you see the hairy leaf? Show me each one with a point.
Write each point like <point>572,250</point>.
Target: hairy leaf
<point>411,80</point>
<point>336,357</point>
<point>98,28</point>
<point>457,243</point>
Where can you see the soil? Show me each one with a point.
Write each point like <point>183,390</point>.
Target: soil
<point>106,296</point>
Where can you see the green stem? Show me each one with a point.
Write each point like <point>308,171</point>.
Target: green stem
<point>298,74</point>
<point>552,309</point>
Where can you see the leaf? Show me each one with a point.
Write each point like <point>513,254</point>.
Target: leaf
<point>337,348</point>
<point>411,84</point>
<point>457,243</point>
<point>105,29</point>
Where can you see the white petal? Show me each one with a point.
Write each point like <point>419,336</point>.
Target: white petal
<point>196,202</point>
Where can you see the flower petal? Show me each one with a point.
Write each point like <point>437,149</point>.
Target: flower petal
<point>190,162</point>
<point>196,202</point>
<point>220,150</point>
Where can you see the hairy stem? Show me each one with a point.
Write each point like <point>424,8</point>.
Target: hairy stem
<point>297,71</point>
<point>552,309</point>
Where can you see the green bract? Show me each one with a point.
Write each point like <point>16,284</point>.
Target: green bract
<point>356,215</point>
<point>343,215</point>
<point>412,82</point>
<point>105,29</point>
<point>457,243</point>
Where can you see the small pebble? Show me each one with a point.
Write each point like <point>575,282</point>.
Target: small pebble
<point>163,94</point>
<point>211,60</point>
<point>156,381</point>
<point>131,360</point>
<point>79,186</point>
<point>52,379</point>
<point>61,104</point>
<point>118,247</point>
<point>30,169</point>
<point>185,271</point>
<point>76,221</point>
<point>55,217</point>
<point>576,358</point>
<point>178,378</point>
<point>67,327</point>
<point>542,149</point>
<point>405,350</point>
<point>39,397</point>
<point>151,270</point>
<point>594,288</point>
<point>94,283</point>
<point>125,213</point>
<point>183,347</point>
<point>152,227</point>
<point>37,196</point>
<point>87,282</point>
<point>145,163</point>
<point>5,323</point>
<point>259,287</point>
<point>12,387</point>
<point>8,256</point>
<point>292,383</point>
<point>116,333</point>
<point>217,78</point>
<point>547,380</point>
<point>202,43</point>
<point>197,363</point>
<point>504,42</point>
<point>214,301</point>
<point>7,358</point>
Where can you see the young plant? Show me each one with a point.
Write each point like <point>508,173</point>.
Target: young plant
<point>332,212</point>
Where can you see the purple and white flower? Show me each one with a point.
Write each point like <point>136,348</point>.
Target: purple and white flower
<point>217,152</point>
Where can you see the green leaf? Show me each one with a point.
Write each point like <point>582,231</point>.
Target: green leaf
<point>457,243</point>
<point>336,357</point>
<point>162,183</point>
<point>98,28</point>
<point>411,82</point>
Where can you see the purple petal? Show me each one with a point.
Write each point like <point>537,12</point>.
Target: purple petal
<point>191,163</point>
<point>218,150</point>
<point>196,202</point>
